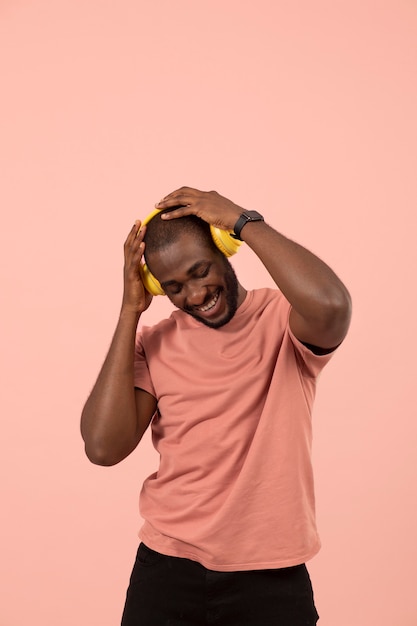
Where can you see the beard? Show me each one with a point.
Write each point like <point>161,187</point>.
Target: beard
<point>230,291</point>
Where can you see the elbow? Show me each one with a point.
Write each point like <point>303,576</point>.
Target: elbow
<point>100,447</point>
<point>343,306</point>
<point>100,456</point>
<point>326,323</point>
<point>99,453</point>
<point>107,452</point>
<point>338,312</point>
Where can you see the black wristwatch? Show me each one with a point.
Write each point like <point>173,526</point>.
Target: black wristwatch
<point>247,216</point>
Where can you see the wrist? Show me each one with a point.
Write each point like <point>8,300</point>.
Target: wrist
<point>244,218</point>
<point>130,313</point>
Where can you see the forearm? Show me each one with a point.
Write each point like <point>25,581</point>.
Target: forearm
<point>306,281</point>
<point>109,421</point>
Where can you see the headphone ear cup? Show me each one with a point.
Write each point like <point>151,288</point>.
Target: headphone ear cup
<point>224,241</point>
<point>151,284</point>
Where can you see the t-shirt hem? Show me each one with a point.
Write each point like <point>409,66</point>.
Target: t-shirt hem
<point>231,567</point>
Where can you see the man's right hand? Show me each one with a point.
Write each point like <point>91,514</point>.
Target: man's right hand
<point>135,297</point>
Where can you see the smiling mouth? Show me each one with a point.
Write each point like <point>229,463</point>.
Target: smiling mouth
<point>209,305</point>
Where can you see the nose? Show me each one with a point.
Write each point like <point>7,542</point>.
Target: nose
<point>196,294</point>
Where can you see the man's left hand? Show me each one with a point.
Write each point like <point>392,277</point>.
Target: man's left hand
<point>208,205</point>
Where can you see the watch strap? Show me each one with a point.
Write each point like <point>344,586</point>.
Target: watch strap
<point>247,216</point>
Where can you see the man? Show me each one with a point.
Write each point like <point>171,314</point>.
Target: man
<point>228,383</point>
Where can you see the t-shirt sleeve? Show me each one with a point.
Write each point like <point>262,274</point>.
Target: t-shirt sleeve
<point>311,363</point>
<point>141,370</point>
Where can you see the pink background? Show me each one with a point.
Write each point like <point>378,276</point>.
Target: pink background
<point>306,111</point>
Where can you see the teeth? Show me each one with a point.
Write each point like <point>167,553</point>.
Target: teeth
<point>210,305</point>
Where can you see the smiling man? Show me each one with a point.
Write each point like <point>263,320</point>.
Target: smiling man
<point>227,383</point>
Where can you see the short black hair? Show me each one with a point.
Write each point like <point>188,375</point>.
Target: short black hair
<point>162,233</point>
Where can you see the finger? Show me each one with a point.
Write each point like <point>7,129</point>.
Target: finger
<point>133,232</point>
<point>137,248</point>
<point>181,212</point>
<point>133,265</point>
<point>182,190</point>
<point>140,235</point>
<point>137,256</point>
<point>184,195</point>
<point>134,246</point>
<point>174,200</point>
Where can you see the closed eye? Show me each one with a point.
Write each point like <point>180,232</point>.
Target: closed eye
<point>197,272</point>
<point>204,273</point>
<point>174,288</point>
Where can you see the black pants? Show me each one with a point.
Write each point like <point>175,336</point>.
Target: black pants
<point>169,591</point>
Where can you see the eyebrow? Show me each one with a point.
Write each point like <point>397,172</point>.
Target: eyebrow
<point>190,271</point>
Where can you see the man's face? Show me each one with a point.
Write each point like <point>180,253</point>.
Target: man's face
<point>198,280</point>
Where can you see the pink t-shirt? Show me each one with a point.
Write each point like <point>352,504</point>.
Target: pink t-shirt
<point>234,490</point>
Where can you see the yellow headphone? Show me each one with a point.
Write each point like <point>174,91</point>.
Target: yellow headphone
<point>223,239</point>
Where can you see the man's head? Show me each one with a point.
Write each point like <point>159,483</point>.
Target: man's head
<point>194,274</point>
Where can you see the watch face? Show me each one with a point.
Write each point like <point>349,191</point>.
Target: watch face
<point>254,216</point>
